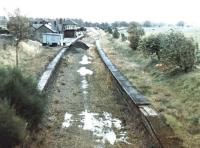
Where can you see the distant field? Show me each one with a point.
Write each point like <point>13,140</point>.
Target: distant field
<point>193,32</point>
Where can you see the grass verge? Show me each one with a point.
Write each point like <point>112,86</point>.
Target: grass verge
<point>176,96</point>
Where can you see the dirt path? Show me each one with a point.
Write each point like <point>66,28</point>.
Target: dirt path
<point>85,109</point>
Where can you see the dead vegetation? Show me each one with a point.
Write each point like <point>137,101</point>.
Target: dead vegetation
<point>32,56</point>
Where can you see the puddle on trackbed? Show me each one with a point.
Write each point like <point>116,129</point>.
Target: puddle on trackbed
<point>67,120</point>
<point>85,60</point>
<point>103,126</point>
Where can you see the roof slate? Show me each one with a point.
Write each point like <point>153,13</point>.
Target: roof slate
<point>69,22</point>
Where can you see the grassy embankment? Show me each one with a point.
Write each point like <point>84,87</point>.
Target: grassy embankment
<point>22,106</point>
<point>32,57</point>
<point>176,96</point>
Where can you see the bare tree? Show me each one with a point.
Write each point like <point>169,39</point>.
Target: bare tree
<point>18,25</point>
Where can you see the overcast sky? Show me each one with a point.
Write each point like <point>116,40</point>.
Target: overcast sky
<point>170,11</point>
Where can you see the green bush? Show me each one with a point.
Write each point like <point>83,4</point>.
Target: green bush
<point>178,51</point>
<point>194,119</point>
<point>123,37</point>
<point>172,49</point>
<point>23,95</point>
<point>151,45</point>
<point>116,33</point>
<point>12,127</point>
<point>135,33</point>
<point>110,30</point>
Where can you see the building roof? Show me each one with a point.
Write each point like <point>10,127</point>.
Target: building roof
<point>36,26</point>
<point>47,26</point>
<point>69,22</point>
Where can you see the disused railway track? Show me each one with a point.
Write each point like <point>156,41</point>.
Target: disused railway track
<point>51,67</point>
<point>139,106</point>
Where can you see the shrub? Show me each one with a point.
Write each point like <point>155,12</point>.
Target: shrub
<point>147,24</point>
<point>110,30</point>
<point>151,45</point>
<point>23,95</point>
<point>116,33</point>
<point>172,49</point>
<point>12,127</point>
<point>177,50</point>
<point>123,37</point>
<point>194,119</point>
<point>135,32</point>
